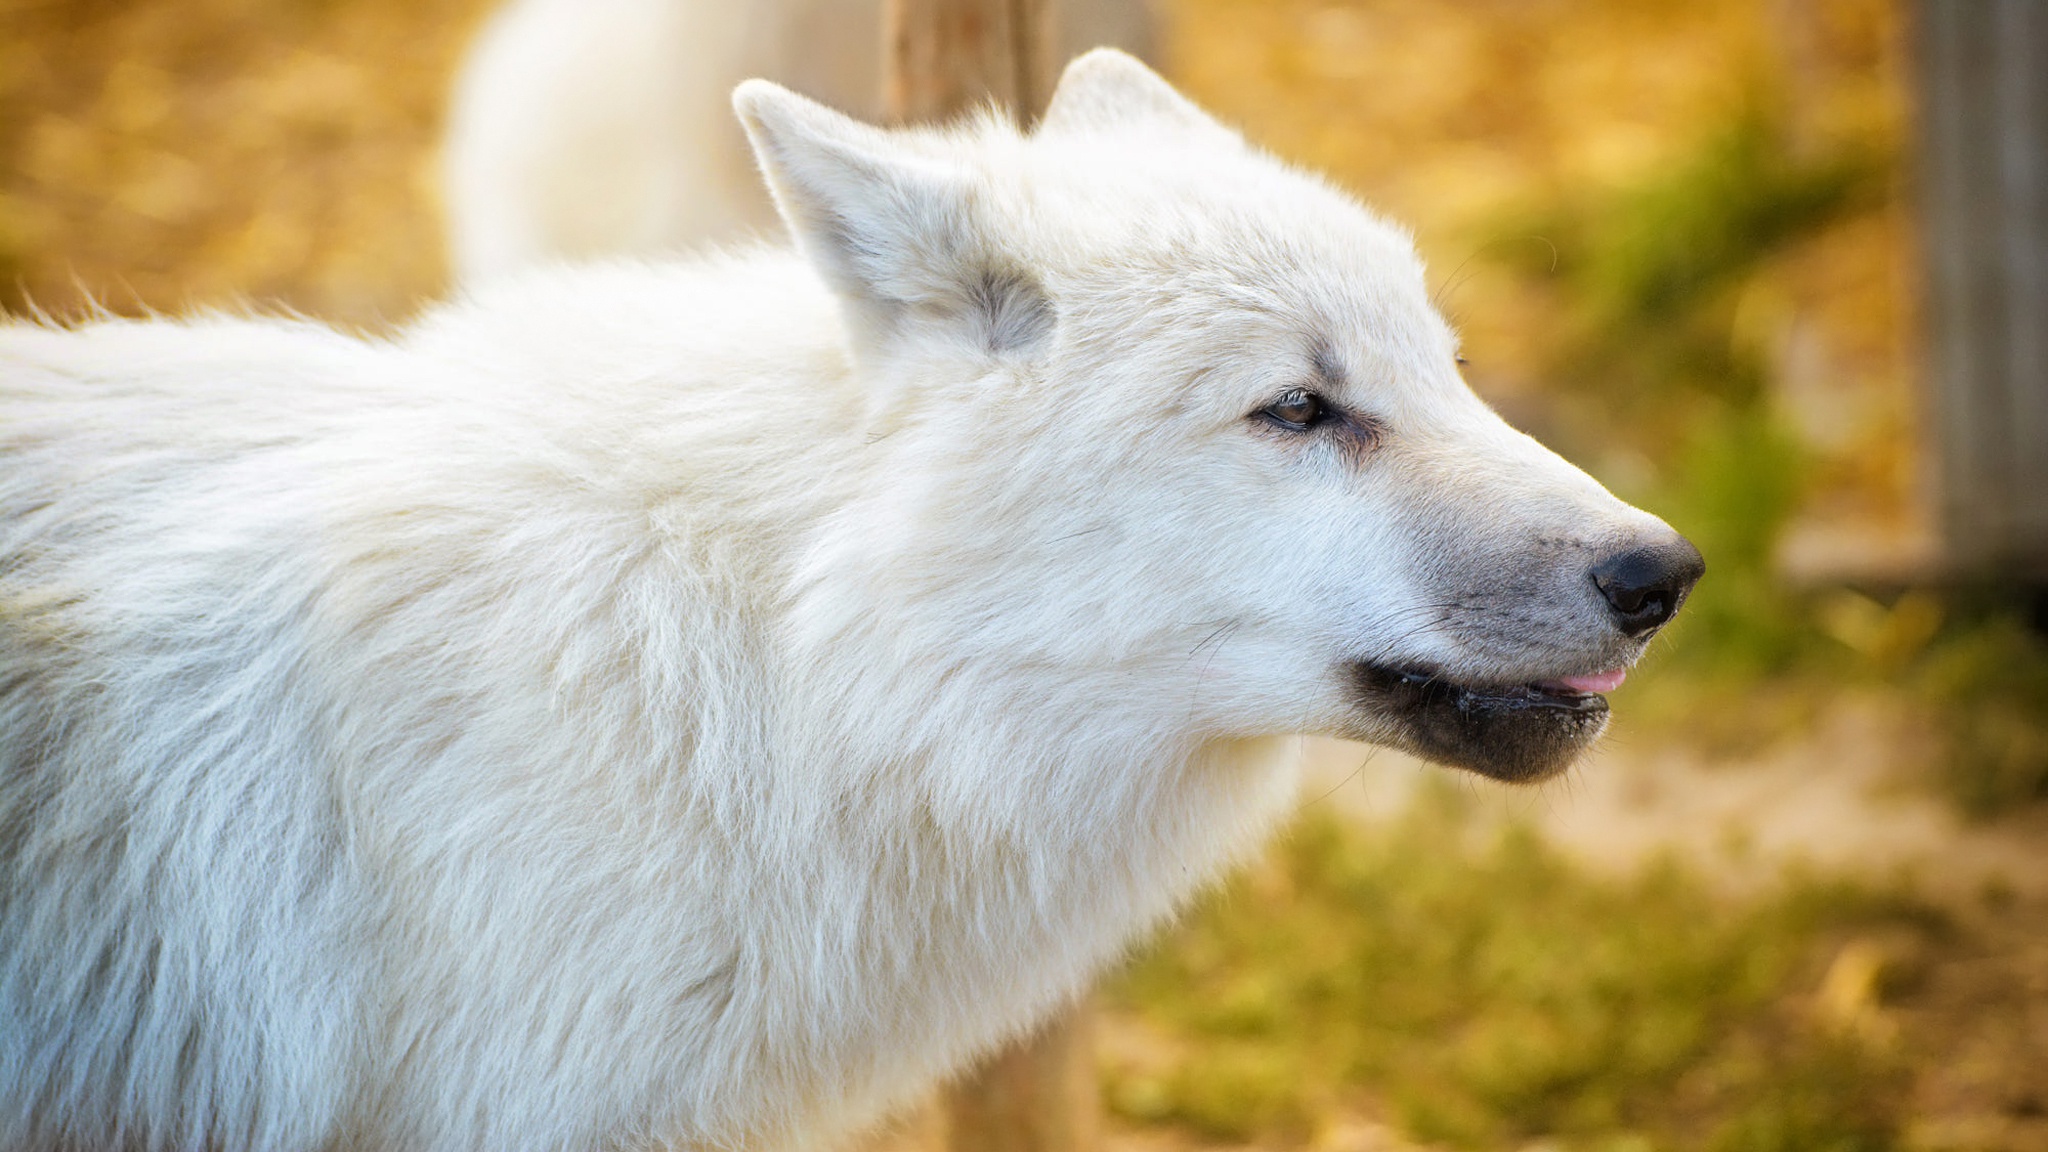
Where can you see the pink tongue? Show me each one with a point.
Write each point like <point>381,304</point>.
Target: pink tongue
<point>1598,682</point>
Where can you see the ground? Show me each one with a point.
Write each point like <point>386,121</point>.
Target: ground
<point>1799,900</point>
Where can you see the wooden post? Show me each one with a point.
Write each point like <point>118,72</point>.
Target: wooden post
<point>1036,1095</point>
<point>1984,187</point>
<point>942,57</point>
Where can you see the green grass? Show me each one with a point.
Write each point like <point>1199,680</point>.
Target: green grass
<point>1987,681</point>
<point>1484,992</point>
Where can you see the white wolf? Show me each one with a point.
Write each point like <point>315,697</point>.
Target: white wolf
<point>584,128</point>
<point>698,706</point>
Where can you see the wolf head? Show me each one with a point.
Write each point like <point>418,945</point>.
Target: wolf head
<point>1164,421</point>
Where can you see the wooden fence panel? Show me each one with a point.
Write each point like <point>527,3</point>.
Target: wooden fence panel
<point>1984,187</point>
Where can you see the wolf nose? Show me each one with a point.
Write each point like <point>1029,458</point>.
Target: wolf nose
<point>1646,584</point>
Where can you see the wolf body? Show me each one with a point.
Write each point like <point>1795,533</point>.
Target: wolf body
<point>698,705</point>
<point>592,128</point>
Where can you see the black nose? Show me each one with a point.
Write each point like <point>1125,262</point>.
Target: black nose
<point>1646,584</point>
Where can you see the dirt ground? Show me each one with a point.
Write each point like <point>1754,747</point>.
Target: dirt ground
<point>1972,1006</point>
<point>166,154</point>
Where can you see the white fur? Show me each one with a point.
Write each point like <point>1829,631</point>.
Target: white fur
<point>583,128</point>
<point>700,705</point>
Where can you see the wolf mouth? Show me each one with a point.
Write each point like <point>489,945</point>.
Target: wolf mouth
<point>1513,732</point>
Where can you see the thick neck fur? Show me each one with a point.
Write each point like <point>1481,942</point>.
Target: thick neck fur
<point>1019,813</point>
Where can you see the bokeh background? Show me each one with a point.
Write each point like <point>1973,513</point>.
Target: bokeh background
<point>1799,902</point>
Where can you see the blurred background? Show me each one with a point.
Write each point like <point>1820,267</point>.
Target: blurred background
<point>1800,899</point>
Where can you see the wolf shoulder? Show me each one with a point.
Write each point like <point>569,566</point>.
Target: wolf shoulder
<point>181,501</point>
<point>461,503</point>
<point>278,603</point>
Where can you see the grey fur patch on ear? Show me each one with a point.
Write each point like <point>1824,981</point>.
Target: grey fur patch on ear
<point>1106,90</point>
<point>1012,307</point>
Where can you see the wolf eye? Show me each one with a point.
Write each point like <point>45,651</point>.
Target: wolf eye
<point>1296,410</point>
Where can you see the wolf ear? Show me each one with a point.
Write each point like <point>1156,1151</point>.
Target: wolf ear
<point>900,236</point>
<point>1107,89</point>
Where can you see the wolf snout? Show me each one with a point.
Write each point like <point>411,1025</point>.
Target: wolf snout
<point>1644,584</point>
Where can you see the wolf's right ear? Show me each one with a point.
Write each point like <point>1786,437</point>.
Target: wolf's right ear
<point>897,234</point>
<point>1105,89</point>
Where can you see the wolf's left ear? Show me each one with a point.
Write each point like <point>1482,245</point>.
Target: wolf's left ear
<point>900,236</point>
<point>1105,89</point>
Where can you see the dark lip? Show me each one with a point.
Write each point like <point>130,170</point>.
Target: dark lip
<point>1513,732</point>
<point>1436,689</point>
